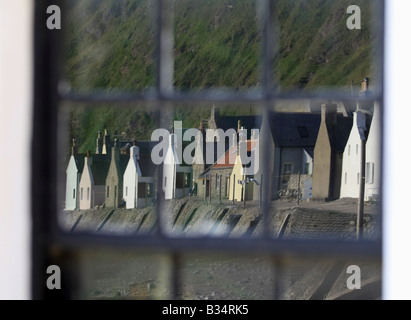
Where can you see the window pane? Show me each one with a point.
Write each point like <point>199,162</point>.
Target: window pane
<point>227,277</point>
<point>121,274</point>
<point>109,45</point>
<point>217,44</point>
<point>325,44</point>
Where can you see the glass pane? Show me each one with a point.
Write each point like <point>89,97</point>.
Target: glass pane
<point>227,277</point>
<point>216,44</point>
<point>108,45</point>
<point>317,168</point>
<point>122,274</point>
<point>326,45</point>
<point>213,190</point>
<point>330,279</point>
<point>105,168</point>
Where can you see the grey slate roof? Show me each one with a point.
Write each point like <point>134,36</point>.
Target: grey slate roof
<point>99,168</point>
<point>295,129</point>
<point>147,167</point>
<point>79,159</point>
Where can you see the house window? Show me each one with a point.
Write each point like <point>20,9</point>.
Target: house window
<point>216,181</point>
<point>81,194</point>
<point>149,190</point>
<point>115,192</point>
<point>126,191</point>
<point>165,181</point>
<point>88,193</point>
<point>187,179</point>
<point>180,180</point>
<point>356,149</point>
<point>287,169</point>
<point>142,190</point>
<point>74,193</point>
<point>369,172</point>
<point>349,149</point>
<point>108,192</point>
<point>345,178</point>
<point>358,178</point>
<point>302,131</point>
<point>307,168</point>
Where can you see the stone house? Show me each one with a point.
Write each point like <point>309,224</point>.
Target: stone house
<point>114,180</point>
<point>332,137</point>
<point>93,180</point>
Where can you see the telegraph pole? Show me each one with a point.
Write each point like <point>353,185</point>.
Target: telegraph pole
<point>360,212</point>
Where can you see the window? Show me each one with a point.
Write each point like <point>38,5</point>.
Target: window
<point>349,149</point>
<point>307,168</point>
<point>287,169</point>
<point>81,194</point>
<point>180,180</point>
<point>74,193</point>
<point>356,149</point>
<point>187,180</point>
<point>345,178</point>
<point>88,193</point>
<point>358,178</point>
<point>302,131</point>
<point>167,82</point>
<point>126,191</point>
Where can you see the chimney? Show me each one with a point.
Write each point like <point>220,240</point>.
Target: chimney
<point>329,113</point>
<point>73,148</point>
<point>115,151</point>
<point>99,147</point>
<point>215,113</point>
<point>106,143</point>
<point>364,84</point>
<point>88,160</point>
<point>242,140</point>
<point>135,151</point>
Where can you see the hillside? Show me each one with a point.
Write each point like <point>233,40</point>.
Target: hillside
<point>110,45</point>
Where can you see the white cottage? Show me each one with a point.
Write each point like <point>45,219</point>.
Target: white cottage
<point>139,180</point>
<point>372,156</point>
<point>92,182</point>
<point>176,175</point>
<point>351,166</point>
<point>73,174</point>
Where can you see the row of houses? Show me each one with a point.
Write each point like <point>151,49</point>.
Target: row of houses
<point>317,152</point>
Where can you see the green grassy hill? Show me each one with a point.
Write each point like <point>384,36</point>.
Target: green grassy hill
<point>110,45</point>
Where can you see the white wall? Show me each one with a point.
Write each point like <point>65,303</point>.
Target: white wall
<point>130,181</point>
<point>372,155</point>
<point>86,181</point>
<point>16,30</point>
<point>72,181</point>
<point>350,186</point>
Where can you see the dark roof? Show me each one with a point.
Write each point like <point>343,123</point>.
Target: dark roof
<point>231,122</point>
<point>295,129</point>
<point>123,163</point>
<point>99,168</point>
<point>146,146</point>
<point>79,159</point>
<point>147,166</point>
<point>339,133</point>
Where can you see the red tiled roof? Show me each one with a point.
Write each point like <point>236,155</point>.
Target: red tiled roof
<point>228,159</point>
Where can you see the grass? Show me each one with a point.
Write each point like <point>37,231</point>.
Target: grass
<point>110,45</point>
